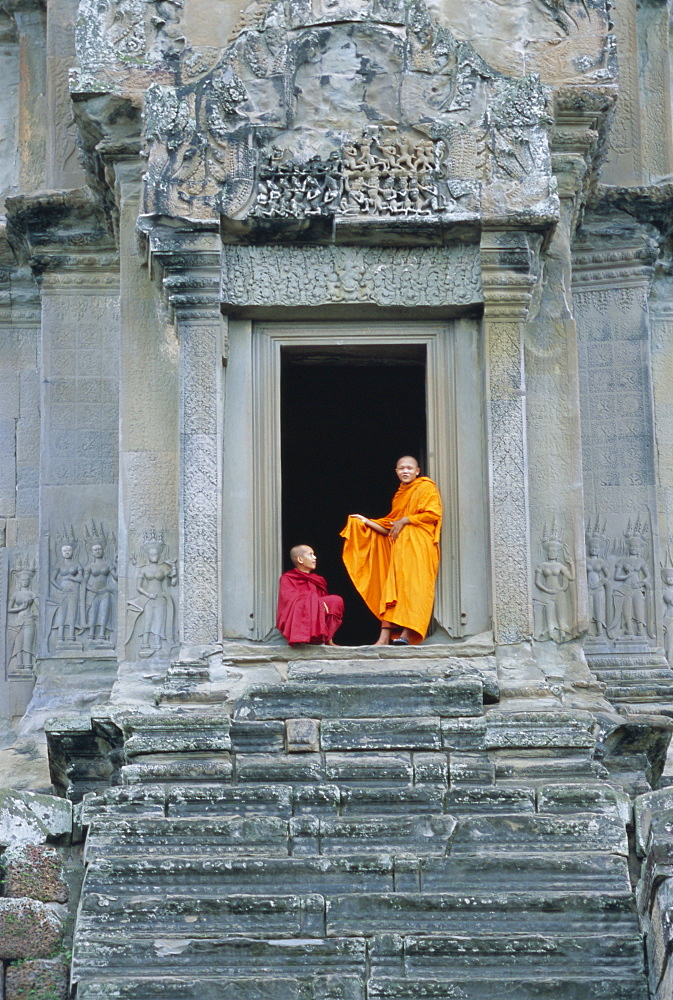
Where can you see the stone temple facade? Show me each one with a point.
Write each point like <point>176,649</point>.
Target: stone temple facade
<point>249,256</point>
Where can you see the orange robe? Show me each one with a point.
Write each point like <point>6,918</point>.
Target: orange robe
<point>397,579</point>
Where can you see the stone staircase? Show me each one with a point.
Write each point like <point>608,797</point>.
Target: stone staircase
<point>351,830</point>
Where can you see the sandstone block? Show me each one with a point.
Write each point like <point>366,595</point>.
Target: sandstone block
<point>316,799</point>
<point>211,800</point>
<point>38,979</point>
<point>433,767</point>
<point>28,929</point>
<point>369,767</point>
<point>578,832</point>
<point>381,734</point>
<point>476,799</point>
<point>257,737</point>
<point>396,800</point>
<point>35,871</point>
<point>303,735</point>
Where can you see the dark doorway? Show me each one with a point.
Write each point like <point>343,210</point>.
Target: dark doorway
<point>347,415</point>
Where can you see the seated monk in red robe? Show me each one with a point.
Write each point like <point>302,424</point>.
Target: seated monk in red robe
<point>306,612</point>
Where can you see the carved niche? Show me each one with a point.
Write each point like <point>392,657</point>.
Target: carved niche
<point>310,116</point>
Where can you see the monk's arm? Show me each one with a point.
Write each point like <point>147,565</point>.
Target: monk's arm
<point>371,524</point>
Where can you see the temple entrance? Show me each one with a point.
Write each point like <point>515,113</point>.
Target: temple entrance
<point>315,415</point>
<point>347,414</point>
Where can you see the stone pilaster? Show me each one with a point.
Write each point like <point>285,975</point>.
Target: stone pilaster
<point>193,291</point>
<point>148,488</point>
<point>508,277</point>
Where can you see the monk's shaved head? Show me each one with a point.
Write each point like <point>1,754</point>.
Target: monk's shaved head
<point>408,458</point>
<point>298,552</point>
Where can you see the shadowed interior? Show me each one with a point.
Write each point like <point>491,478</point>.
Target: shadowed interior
<point>347,415</point>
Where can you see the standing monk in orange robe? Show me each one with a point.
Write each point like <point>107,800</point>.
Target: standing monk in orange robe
<point>393,560</point>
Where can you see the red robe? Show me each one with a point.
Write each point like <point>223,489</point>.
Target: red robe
<point>301,613</point>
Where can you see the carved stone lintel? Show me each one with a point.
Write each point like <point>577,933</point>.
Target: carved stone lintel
<point>383,276</point>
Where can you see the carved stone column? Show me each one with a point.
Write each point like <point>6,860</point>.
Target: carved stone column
<point>192,284</point>
<point>508,274</point>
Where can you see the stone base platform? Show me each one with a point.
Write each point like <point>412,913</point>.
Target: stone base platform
<point>351,828</point>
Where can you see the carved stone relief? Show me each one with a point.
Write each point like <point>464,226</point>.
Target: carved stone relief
<point>620,581</point>
<point>386,276</point>
<point>151,616</point>
<point>22,616</point>
<point>100,585</point>
<point>80,613</point>
<point>284,125</point>
<point>554,614</point>
<point>66,606</point>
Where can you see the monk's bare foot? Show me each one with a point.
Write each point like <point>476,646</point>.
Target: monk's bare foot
<point>384,638</point>
<point>332,643</point>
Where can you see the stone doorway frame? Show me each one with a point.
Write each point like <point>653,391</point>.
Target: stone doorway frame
<point>268,338</point>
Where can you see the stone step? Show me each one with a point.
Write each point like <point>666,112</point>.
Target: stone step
<point>461,957</point>
<point>138,876</point>
<point>328,987</point>
<point>418,833</point>
<point>189,836</point>
<point>475,914</point>
<point>521,871</point>
<point>107,917</point>
<point>336,987</point>
<point>110,836</point>
<point>425,796</point>
<point>569,987</point>
<point>357,695</point>
<point>228,955</point>
<point>387,955</point>
<point>177,874</point>
<point>639,692</point>
<point>538,832</point>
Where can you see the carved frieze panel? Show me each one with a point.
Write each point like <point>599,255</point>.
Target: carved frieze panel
<point>384,276</point>
<point>81,605</point>
<point>375,113</point>
<point>151,618</point>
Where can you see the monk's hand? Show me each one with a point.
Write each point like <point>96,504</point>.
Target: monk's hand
<point>361,517</point>
<point>397,527</point>
<point>325,607</point>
